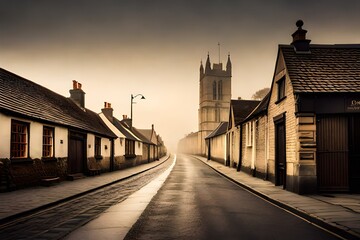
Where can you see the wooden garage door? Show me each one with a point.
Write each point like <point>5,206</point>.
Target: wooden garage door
<point>332,153</point>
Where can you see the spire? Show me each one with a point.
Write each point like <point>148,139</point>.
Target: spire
<point>219,52</point>
<point>201,69</point>
<point>228,65</point>
<point>300,43</point>
<point>207,65</point>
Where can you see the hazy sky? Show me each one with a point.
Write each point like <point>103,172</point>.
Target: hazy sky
<point>118,48</point>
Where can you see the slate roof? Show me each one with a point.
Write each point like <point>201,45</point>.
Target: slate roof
<point>148,134</point>
<point>141,136</point>
<point>19,96</point>
<point>242,108</point>
<point>221,129</point>
<point>260,109</point>
<point>124,130</point>
<point>327,68</point>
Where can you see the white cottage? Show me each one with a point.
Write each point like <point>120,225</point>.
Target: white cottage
<point>47,136</point>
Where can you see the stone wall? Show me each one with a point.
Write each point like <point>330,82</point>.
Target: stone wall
<point>15,175</point>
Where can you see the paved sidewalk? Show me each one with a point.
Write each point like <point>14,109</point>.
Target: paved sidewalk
<point>116,221</point>
<point>27,200</point>
<point>339,213</point>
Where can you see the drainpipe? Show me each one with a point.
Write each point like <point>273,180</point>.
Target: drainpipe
<point>240,150</point>
<point>266,147</point>
<point>112,155</point>
<point>253,150</point>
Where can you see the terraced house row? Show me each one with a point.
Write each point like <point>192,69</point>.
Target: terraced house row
<point>305,134</point>
<point>47,137</point>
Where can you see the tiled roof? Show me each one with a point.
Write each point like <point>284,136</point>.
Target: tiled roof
<point>221,129</point>
<point>242,108</point>
<point>327,68</point>
<point>27,99</point>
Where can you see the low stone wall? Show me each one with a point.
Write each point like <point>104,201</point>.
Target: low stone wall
<point>30,173</point>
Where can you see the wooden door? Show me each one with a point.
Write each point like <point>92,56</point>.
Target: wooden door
<point>354,154</point>
<point>76,153</point>
<point>280,154</point>
<point>332,153</point>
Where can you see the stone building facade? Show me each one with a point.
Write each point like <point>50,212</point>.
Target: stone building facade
<point>214,101</point>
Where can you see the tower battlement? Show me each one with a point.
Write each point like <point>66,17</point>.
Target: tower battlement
<point>216,70</point>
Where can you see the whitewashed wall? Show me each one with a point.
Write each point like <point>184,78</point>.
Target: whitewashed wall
<point>36,137</point>
<point>61,142</point>
<point>5,134</point>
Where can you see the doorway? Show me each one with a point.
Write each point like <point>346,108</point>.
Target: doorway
<point>354,153</point>
<point>280,153</point>
<point>76,152</point>
<point>332,152</point>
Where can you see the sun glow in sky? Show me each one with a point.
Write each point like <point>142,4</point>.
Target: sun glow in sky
<point>119,48</point>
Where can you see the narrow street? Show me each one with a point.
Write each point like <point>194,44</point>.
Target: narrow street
<point>195,202</point>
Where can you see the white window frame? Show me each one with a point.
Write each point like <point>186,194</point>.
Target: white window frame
<point>249,134</point>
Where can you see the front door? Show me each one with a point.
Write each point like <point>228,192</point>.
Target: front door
<point>280,154</point>
<point>76,153</point>
<point>354,153</point>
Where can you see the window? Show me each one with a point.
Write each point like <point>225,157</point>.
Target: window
<point>97,147</point>
<point>19,139</point>
<point>220,90</point>
<point>281,88</point>
<point>249,134</point>
<point>129,147</point>
<point>214,91</point>
<point>48,142</point>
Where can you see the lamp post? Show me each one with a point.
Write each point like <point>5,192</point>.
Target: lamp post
<point>132,102</point>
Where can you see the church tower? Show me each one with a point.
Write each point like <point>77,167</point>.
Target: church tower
<point>214,97</point>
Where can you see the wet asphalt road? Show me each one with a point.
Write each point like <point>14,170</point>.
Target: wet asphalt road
<point>195,202</point>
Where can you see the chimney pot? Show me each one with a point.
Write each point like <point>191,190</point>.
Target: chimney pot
<point>300,43</point>
<point>77,95</point>
<point>74,84</point>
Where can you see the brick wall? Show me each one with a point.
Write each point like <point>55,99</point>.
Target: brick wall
<point>300,134</point>
<point>286,106</point>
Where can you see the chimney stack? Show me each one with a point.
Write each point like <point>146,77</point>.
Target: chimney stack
<point>77,94</point>
<point>300,43</point>
<point>108,111</point>
<point>127,121</point>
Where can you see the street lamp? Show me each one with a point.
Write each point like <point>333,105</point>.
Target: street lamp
<point>132,102</point>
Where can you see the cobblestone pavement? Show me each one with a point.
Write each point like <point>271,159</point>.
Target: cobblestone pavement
<point>57,221</point>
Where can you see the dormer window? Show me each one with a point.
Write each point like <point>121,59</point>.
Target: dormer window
<point>281,89</point>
